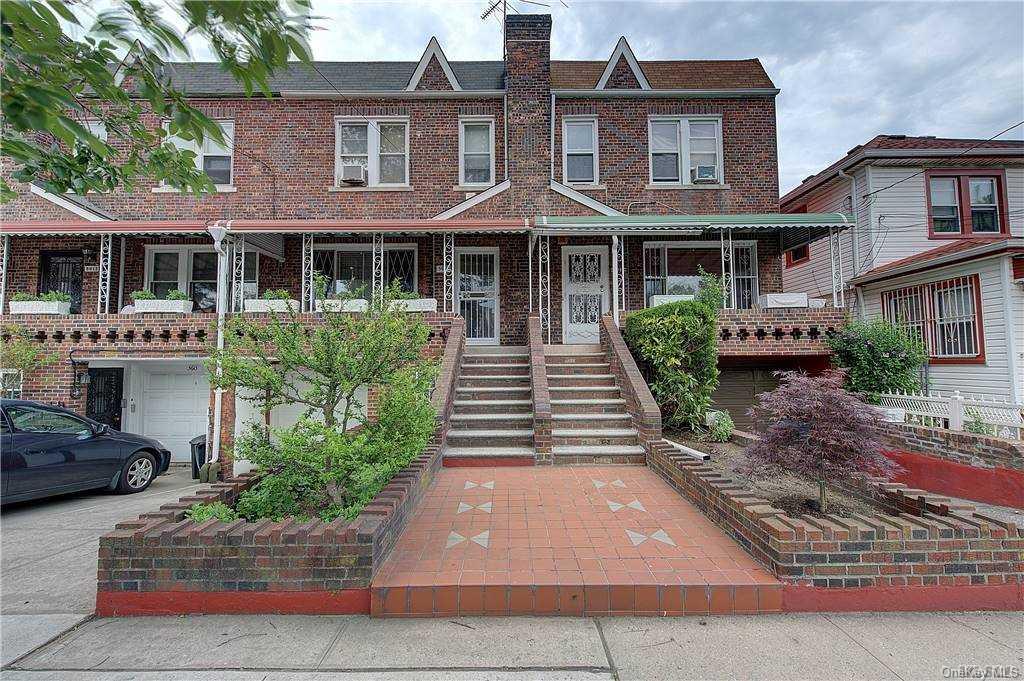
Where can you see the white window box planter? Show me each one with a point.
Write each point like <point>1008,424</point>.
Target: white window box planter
<point>816,303</point>
<point>661,299</point>
<point>353,305</point>
<point>39,307</point>
<point>165,306</point>
<point>271,305</point>
<point>774,300</point>
<point>417,304</point>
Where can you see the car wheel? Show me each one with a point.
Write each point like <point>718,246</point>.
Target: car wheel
<point>137,473</point>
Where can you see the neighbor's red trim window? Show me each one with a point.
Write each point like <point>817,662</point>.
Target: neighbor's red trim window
<point>945,315</point>
<point>966,203</point>
<point>797,255</point>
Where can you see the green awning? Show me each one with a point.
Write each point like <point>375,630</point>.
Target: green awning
<point>795,228</point>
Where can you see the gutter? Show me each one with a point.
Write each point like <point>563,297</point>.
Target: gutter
<point>720,93</point>
<point>391,94</point>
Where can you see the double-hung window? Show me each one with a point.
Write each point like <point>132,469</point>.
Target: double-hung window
<point>965,203</point>
<point>685,151</point>
<point>945,315</point>
<point>212,157</point>
<point>193,270</point>
<point>476,151</point>
<point>379,145</point>
<point>580,157</point>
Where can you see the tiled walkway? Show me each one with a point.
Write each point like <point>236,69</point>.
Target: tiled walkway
<point>568,540</point>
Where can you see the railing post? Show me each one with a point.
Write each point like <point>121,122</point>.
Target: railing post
<point>956,411</point>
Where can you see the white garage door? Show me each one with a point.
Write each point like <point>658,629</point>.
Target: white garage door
<point>175,404</point>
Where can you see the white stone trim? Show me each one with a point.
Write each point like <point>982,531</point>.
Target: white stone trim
<point>622,49</point>
<point>69,206</point>
<point>433,50</point>
<point>580,197</point>
<point>459,208</point>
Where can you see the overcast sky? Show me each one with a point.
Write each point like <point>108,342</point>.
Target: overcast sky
<point>847,71</point>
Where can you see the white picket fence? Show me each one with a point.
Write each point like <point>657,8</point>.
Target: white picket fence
<point>959,411</point>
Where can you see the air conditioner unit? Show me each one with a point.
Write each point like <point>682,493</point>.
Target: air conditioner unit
<point>706,175</point>
<point>354,175</point>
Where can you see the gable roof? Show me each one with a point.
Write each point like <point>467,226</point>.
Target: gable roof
<point>938,150</point>
<point>688,74</point>
<point>623,51</point>
<point>950,253</point>
<point>433,51</point>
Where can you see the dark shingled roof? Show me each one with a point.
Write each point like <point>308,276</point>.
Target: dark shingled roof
<point>689,74</point>
<point>208,78</point>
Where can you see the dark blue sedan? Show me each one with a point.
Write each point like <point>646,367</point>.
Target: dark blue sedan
<point>49,450</point>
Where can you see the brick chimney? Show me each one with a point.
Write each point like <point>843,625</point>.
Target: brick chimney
<point>528,87</point>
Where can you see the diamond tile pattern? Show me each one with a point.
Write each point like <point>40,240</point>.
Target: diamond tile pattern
<point>565,540</point>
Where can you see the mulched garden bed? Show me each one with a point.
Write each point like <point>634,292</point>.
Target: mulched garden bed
<point>791,494</point>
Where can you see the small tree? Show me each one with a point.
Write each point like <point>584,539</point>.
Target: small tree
<point>878,357</point>
<point>18,356</point>
<point>818,432</point>
<point>282,359</point>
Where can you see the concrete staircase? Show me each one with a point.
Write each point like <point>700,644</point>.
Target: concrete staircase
<point>492,418</point>
<point>589,418</point>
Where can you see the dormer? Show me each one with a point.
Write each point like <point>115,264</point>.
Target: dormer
<point>433,72</point>
<point>623,71</point>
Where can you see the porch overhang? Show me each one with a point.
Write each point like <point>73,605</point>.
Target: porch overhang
<point>113,227</point>
<point>795,229</point>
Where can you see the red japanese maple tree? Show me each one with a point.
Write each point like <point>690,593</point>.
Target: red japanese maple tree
<point>818,431</point>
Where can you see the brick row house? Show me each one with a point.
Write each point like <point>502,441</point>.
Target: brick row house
<point>937,247</point>
<point>494,190</point>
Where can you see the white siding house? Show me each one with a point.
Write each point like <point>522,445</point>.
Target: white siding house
<point>929,250</point>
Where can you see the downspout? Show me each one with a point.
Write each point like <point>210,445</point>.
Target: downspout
<point>504,126</point>
<point>218,230</point>
<point>854,236</point>
<point>551,136</point>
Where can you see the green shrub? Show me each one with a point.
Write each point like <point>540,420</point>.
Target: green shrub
<point>878,358</point>
<point>200,513</point>
<point>677,351</point>
<point>720,427</point>
<point>48,297</point>
<point>143,295</point>
<point>977,426</point>
<point>176,294</point>
<point>277,294</point>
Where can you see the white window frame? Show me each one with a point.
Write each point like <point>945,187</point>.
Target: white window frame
<point>475,120</point>
<point>368,248</point>
<point>994,206</point>
<point>228,127</point>
<point>185,253</point>
<point>15,387</point>
<point>683,140</point>
<point>957,213</point>
<point>372,148</point>
<point>595,151</point>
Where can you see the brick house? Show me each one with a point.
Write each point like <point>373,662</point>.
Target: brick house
<point>567,189</point>
<point>936,247</point>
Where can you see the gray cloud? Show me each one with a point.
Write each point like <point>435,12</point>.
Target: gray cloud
<point>847,71</point>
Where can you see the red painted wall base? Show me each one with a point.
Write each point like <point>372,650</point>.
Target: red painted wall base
<point>903,598</point>
<point>133,603</point>
<point>1000,486</point>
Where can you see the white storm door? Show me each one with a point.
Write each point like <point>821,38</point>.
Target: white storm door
<point>477,277</point>
<point>174,406</point>
<point>584,292</point>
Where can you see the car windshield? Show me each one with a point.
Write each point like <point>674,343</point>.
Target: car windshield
<point>37,420</point>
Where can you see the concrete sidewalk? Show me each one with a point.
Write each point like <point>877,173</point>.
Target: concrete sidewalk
<point>275,648</point>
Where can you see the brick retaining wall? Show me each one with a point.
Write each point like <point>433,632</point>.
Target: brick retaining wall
<point>774,333</point>
<point>876,550</point>
<point>640,402</point>
<point>981,451</point>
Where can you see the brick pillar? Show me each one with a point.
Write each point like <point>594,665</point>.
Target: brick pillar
<point>528,87</point>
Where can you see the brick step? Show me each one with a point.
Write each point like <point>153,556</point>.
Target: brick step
<point>596,451</point>
<point>492,437</point>
<point>505,393</point>
<point>463,457</point>
<point>592,420</point>
<point>569,369</point>
<point>605,380</point>
<point>604,405</point>
<point>495,369</point>
<point>598,437</point>
<point>575,599</point>
<point>583,392</point>
<point>493,381</point>
<point>583,358</point>
<point>491,421</point>
<point>492,406</point>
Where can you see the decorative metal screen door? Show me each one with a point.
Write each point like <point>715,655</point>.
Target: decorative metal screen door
<point>585,292</point>
<point>477,293</point>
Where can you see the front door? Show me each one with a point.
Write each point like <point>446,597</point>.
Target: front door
<point>62,272</point>
<point>477,293</point>
<point>103,403</point>
<point>584,292</point>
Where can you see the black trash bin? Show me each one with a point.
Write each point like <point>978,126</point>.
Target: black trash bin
<point>198,454</point>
